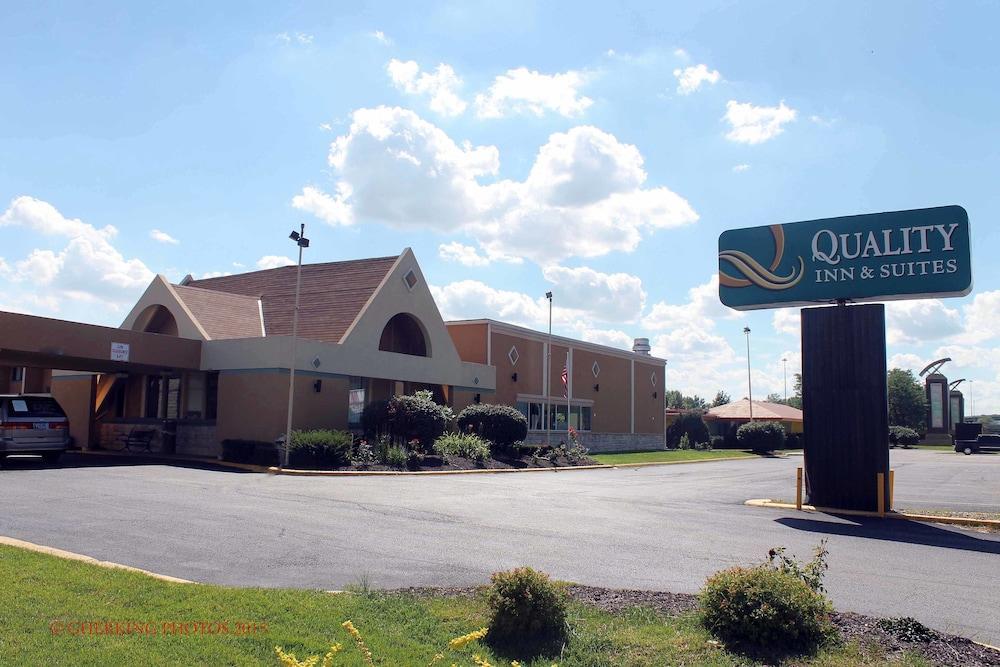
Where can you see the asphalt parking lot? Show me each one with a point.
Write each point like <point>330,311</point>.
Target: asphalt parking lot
<point>664,528</point>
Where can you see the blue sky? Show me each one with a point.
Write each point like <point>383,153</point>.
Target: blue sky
<point>596,151</point>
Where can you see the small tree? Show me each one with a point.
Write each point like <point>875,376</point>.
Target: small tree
<point>721,398</point>
<point>763,436</point>
<point>690,424</point>
<point>907,402</point>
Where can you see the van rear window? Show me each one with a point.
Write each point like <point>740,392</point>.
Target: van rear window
<point>34,406</point>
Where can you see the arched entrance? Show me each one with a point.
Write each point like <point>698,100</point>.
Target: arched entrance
<point>404,334</point>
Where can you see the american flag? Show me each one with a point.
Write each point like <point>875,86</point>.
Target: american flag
<point>565,380</point>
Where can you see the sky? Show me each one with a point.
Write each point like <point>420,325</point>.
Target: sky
<point>596,150</point>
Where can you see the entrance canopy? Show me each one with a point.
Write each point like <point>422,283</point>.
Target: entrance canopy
<point>27,340</point>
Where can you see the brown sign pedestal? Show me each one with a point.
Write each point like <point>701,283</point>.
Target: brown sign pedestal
<point>845,405</point>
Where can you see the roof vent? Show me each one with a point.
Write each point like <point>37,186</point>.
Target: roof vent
<point>641,346</point>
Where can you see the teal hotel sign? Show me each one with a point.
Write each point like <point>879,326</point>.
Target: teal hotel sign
<point>878,257</point>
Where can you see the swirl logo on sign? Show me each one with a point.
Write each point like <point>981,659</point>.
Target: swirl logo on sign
<point>754,273</point>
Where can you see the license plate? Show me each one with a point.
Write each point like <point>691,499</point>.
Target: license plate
<point>39,426</point>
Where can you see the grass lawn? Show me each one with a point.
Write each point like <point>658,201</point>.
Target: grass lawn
<point>401,630</point>
<point>668,455</point>
<point>935,448</point>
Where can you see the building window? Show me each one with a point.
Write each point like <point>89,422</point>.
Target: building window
<point>356,401</point>
<point>17,374</point>
<point>595,369</point>
<point>534,411</point>
<point>513,355</point>
<point>152,408</point>
<point>410,279</point>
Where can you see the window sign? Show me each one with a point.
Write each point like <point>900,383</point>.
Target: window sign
<point>119,351</point>
<point>19,406</point>
<point>356,406</point>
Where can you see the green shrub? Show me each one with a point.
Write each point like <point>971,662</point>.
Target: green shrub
<point>703,446</point>
<point>684,442</point>
<point>690,424</point>
<point>717,442</point>
<point>467,445</point>
<point>761,436</point>
<point>903,436</point>
<point>417,418</point>
<point>319,449</point>
<point>764,608</point>
<point>396,457</point>
<point>526,608</point>
<point>500,424</point>
<point>241,451</point>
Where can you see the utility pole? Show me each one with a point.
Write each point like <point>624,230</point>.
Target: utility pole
<point>746,330</point>
<point>300,239</point>
<point>784,376</point>
<point>548,378</point>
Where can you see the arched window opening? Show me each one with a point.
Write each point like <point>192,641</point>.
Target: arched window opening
<point>405,335</point>
<point>156,319</point>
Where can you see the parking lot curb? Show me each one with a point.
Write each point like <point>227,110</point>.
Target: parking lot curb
<point>69,555</point>
<point>248,467</point>
<point>926,518</point>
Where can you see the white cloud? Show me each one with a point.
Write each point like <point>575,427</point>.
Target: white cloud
<point>274,261</point>
<point>920,321</point>
<point>740,168</point>
<point>787,321</point>
<point>296,37</point>
<point>612,297</point>
<point>682,54</point>
<point>87,269</point>
<point>463,254</point>
<point>440,85</point>
<point>334,211</point>
<point>689,79</point>
<point>609,337</point>
<point>701,310</point>
<point>981,317</point>
<point>162,237</point>
<point>471,299</point>
<point>907,361</point>
<point>521,91</point>
<point>584,195</point>
<point>381,37</point>
<point>754,125</point>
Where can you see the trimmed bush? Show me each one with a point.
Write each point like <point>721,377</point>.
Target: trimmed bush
<point>500,424</point>
<point>690,424</point>
<point>417,418</point>
<point>761,436</point>
<point>903,436</point>
<point>319,449</point>
<point>241,451</point>
<point>467,445</point>
<point>764,608</point>
<point>717,442</point>
<point>526,608</point>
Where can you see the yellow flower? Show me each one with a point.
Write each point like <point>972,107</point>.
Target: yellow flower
<point>481,661</point>
<point>334,650</point>
<point>460,642</point>
<point>353,631</point>
<point>437,658</point>
<point>289,659</point>
<point>515,663</point>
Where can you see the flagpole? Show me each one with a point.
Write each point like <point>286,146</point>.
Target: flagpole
<point>567,396</point>
<point>548,378</point>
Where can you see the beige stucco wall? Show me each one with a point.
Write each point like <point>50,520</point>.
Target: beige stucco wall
<point>252,405</point>
<point>75,394</point>
<point>161,293</point>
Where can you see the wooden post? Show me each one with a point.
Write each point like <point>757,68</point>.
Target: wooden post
<point>892,487</point>
<point>880,480</point>
<point>798,489</point>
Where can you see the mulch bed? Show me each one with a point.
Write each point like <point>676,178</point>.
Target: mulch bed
<point>434,462</point>
<point>937,647</point>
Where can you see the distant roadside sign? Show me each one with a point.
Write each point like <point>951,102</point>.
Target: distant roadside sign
<point>877,257</point>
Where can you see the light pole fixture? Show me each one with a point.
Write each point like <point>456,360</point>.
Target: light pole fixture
<point>746,330</point>
<point>302,242</point>
<point>784,375</point>
<point>548,378</point>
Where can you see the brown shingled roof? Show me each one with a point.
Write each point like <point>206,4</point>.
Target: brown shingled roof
<point>333,294</point>
<point>222,314</point>
<point>761,410</point>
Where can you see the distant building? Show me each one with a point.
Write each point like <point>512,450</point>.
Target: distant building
<point>723,420</point>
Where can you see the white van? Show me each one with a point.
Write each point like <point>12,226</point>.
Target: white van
<point>32,424</point>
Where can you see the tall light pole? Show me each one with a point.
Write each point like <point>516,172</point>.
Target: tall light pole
<point>972,398</point>
<point>548,377</point>
<point>300,240</point>
<point>746,330</point>
<point>784,375</point>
